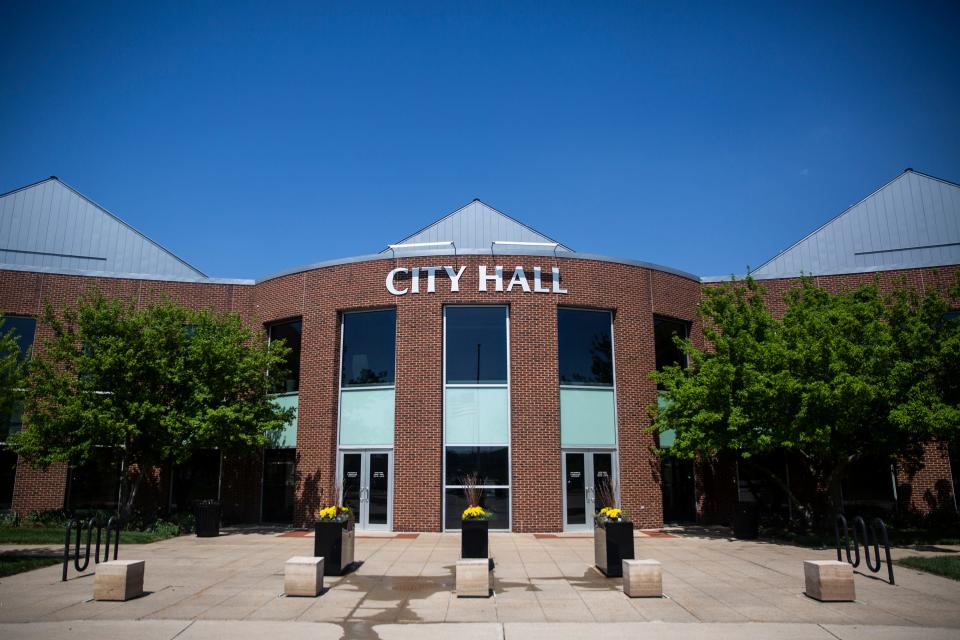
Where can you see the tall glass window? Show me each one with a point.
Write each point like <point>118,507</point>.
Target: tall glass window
<point>23,329</point>
<point>367,368</point>
<point>290,333</point>
<point>369,348</point>
<point>586,348</point>
<point>585,357</point>
<point>667,352</point>
<point>476,410</point>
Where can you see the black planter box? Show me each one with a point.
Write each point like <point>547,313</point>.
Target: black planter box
<point>612,543</point>
<point>208,519</point>
<point>746,522</point>
<point>474,538</point>
<point>333,542</point>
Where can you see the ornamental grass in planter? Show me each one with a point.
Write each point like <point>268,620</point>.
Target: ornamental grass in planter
<point>474,522</point>
<point>333,539</point>
<point>612,534</point>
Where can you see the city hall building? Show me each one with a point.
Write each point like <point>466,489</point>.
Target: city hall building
<point>475,345</point>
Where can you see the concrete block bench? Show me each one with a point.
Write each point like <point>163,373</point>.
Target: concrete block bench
<point>303,576</point>
<point>642,579</point>
<point>473,578</point>
<point>829,580</point>
<point>118,580</point>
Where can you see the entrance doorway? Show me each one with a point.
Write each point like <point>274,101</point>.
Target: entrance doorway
<point>366,478</point>
<point>583,473</point>
<point>679,490</point>
<point>279,482</point>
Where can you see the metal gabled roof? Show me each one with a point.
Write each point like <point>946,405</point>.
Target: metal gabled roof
<point>912,221</point>
<point>49,225</point>
<point>476,226</point>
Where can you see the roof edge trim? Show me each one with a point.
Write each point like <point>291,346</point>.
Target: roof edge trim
<point>123,276</point>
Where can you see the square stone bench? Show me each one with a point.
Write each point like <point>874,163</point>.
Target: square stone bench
<point>303,576</point>
<point>118,580</point>
<point>829,580</point>
<point>473,578</point>
<point>642,579</point>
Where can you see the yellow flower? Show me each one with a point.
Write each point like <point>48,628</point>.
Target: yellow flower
<point>332,512</point>
<point>611,513</point>
<point>471,513</point>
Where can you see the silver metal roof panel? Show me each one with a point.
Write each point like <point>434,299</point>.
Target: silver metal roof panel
<point>912,221</point>
<point>476,225</point>
<point>49,225</point>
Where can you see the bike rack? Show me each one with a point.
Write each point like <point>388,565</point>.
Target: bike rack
<point>113,525</point>
<point>868,537</point>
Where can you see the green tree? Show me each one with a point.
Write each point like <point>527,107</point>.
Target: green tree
<point>839,378</point>
<point>153,384</point>
<point>12,373</point>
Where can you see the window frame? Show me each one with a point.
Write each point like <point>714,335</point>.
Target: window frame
<point>8,418</point>
<point>343,326</point>
<point>613,359</point>
<point>443,417</point>
<point>269,329</point>
<point>688,329</point>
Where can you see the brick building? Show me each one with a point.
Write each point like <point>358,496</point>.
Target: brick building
<point>475,345</point>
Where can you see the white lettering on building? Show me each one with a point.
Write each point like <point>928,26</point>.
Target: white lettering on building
<point>518,278</point>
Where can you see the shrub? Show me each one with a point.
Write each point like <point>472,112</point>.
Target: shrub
<point>48,518</point>
<point>165,528</point>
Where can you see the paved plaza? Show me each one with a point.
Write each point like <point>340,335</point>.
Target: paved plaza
<point>544,586</point>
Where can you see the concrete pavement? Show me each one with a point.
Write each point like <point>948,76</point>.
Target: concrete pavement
<point>205,587</point>
<point>250,630</point>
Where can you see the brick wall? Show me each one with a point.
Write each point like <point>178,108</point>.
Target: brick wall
<point>634,294</point>
<point>924,487</point>
<point>25,293</point>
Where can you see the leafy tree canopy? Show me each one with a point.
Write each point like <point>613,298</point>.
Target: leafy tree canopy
<point>840,377</point>
<point>155,384</point>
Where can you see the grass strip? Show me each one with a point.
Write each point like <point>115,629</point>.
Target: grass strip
<point>10,565</point>
<point>946,566</point>
<point>54,535</point>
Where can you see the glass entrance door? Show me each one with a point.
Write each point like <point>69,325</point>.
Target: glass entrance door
<point>583,473</point>
<point>366,478</point>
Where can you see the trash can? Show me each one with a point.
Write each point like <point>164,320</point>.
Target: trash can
<point>746,522</point>
<point>208,518</point>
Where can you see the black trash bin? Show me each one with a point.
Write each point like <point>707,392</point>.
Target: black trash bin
<point>208,518</point>
<point>746,522</point>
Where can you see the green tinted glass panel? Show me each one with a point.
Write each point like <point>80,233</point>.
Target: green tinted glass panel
<point>477,416</point>
<point>587,418</point>
<point>366,417</point>
<point>667,437</point>
<point>286,437</point>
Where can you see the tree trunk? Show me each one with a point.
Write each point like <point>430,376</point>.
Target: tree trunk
<point>805,510</point>
<point>129,492</point>
<point>834,491</point>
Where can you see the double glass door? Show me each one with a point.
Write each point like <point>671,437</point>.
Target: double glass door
<point>366,477</point>
<point>583,474</point>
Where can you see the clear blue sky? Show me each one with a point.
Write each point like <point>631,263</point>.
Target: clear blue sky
<point>251,138</point>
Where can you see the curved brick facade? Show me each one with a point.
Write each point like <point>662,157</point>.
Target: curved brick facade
<point>634,294</point>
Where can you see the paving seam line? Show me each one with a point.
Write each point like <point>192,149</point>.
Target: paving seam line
<point>184,629</point>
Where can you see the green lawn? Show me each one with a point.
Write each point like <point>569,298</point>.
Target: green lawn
<point>898,537</point>
<point>947,566</point>
<point>10,565</point>
<point>54,535</point>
